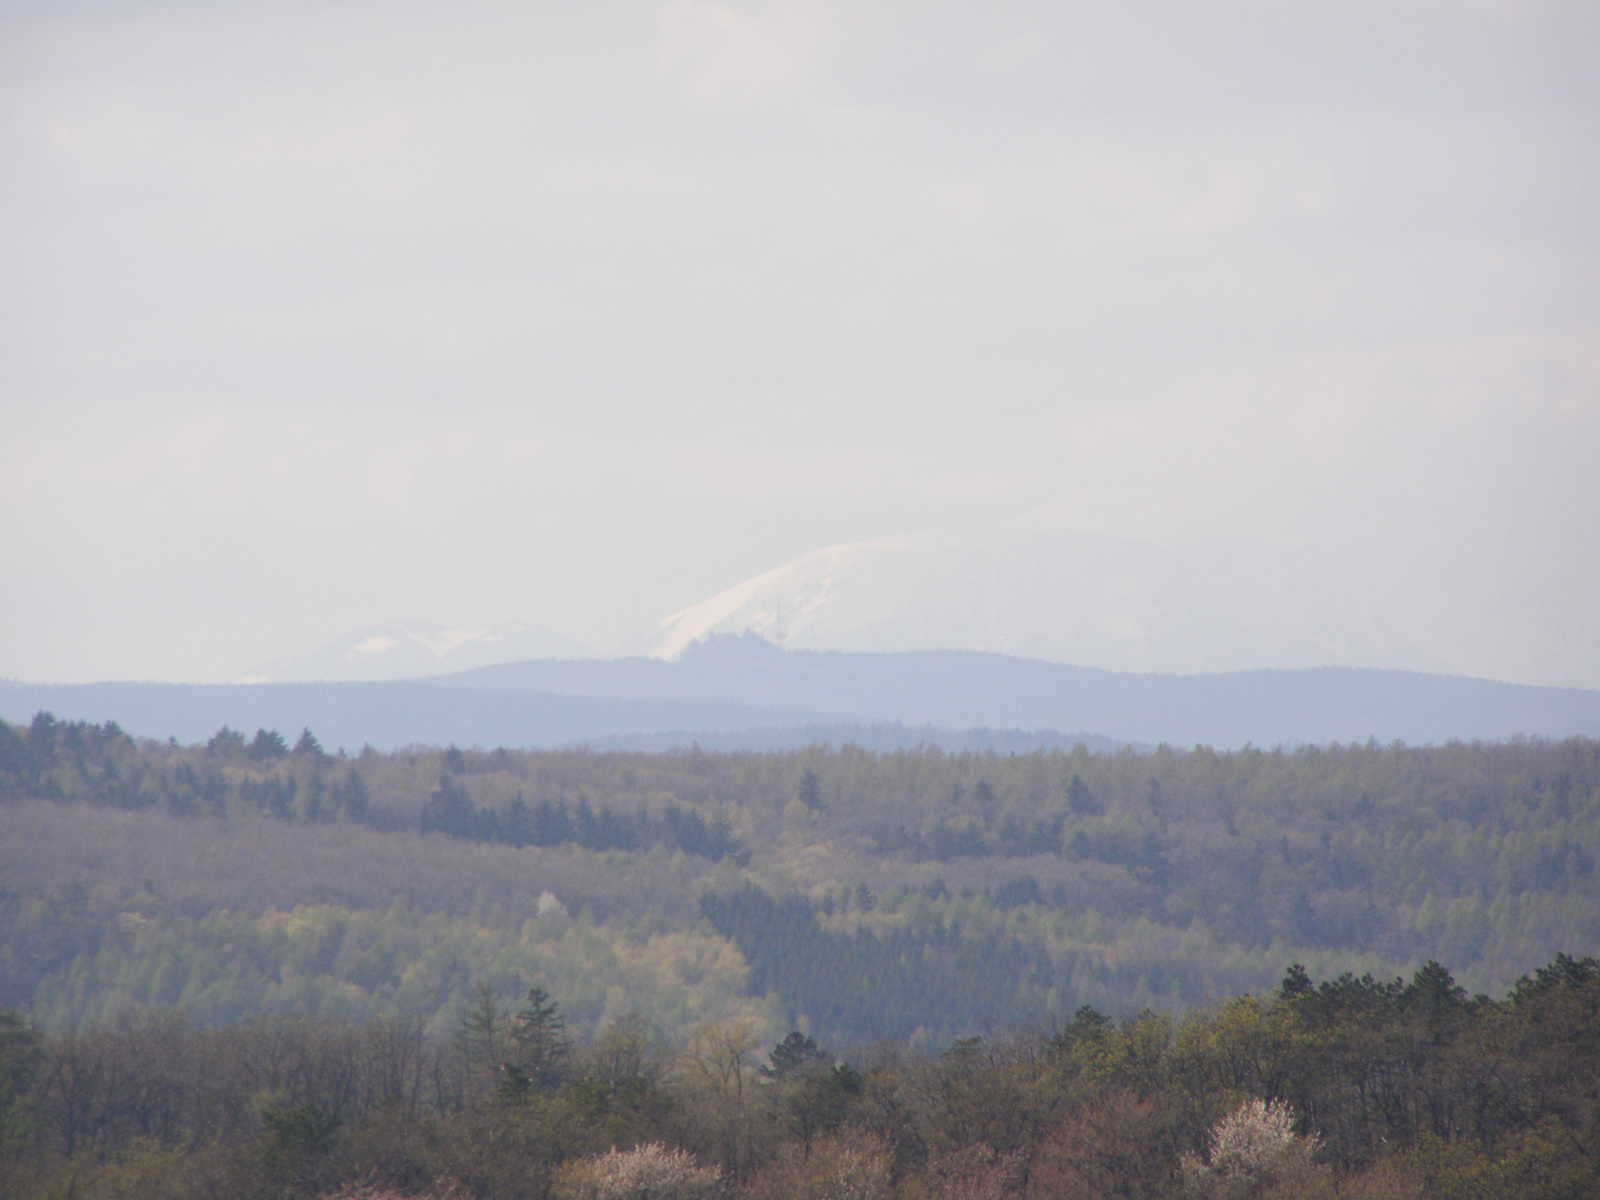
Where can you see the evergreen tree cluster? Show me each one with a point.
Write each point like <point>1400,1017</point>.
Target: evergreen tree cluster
<point>928,976</point>
<point>450,809</point>
<point>100,764</point>
<point>263,775</point>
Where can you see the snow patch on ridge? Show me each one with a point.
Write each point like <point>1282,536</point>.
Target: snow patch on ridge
<point>777,605</point>
<point>415,649</point>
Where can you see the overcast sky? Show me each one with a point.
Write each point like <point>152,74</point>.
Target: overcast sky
<point>318,315</point>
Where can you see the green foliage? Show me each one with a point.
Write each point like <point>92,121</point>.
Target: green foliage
<point>482,1035</point>
<point>794,1056</point>
<point>450,809</point>
<point>541,1048</point>
<point>332,962</point>
<point>809,790</point>
<point>230,776</point>
<point>295,1146</point>
<point>932,896</point>
<point>928,977</point>
<point>20,1054</point>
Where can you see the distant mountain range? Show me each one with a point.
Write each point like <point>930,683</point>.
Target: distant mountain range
<point>1036,587</point>
<point>960,689</point>
<point>743,692</point>
<point>387,715</point>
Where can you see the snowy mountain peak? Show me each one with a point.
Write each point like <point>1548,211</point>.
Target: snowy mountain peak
<point>411,649</point>
<point>1036,589</point>
<point>780,606</point>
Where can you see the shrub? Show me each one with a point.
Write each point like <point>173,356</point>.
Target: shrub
<point>1252,1148</point>
<point>649,1172</point>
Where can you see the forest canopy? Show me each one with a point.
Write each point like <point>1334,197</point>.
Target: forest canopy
<point>1350,1086</point>
<point>909,895</point>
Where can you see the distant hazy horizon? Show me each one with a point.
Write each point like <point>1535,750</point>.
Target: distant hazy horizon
<point>1164,336</point>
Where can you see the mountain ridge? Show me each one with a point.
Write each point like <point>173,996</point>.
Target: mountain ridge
<point>739,684</point>
<point>962,689</point>
<point>388,715</point>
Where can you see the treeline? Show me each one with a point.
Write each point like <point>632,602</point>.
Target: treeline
<point>265,776</point>
<point>1353,1087</point>
<point>79,760</point>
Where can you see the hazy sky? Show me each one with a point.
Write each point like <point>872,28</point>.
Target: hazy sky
<point>317,315</point>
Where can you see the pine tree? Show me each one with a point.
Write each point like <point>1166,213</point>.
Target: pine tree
<point>482,1034</point>
<point>810,791</point>
<point>540,1047</point>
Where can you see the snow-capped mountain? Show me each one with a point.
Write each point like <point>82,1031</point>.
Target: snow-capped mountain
<point>782,606</point>
<point>412,649</point>
<point>1033,589</point>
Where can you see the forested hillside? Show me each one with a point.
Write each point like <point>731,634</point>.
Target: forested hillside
<point>910,895</point>
<point>1350,1087</point>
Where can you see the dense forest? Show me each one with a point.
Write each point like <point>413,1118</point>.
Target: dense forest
<point>913,895</point>
<point>253,968</point>
<point>1352,1087</point>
